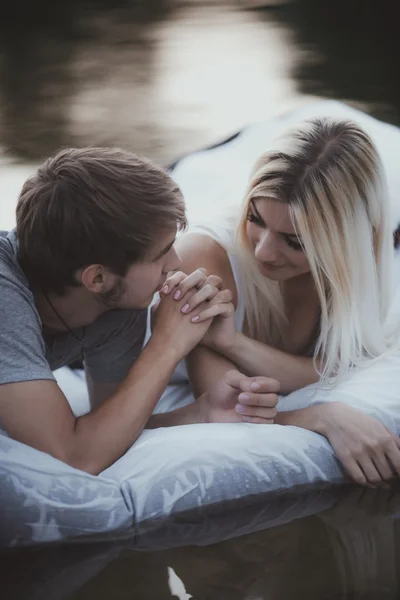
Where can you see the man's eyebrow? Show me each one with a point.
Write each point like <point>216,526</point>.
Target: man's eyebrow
<point>166,249</point>
<point>291,235</point>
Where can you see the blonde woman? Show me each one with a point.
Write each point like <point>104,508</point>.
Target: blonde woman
<point>309,261</point>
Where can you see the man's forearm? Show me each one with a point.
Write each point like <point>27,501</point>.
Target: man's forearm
<point>106,433</point>
<point>254,358</point>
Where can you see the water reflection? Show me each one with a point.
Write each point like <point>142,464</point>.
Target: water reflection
<point>164,77</point>
<point>346,49</point>
<point>326,544</point>
<point>54,52</point>
<point>159,77</point>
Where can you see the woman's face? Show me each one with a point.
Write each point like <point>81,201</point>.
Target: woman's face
<point>276,247</point>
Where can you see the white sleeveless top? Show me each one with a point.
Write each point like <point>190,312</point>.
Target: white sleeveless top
<point>223,234</point>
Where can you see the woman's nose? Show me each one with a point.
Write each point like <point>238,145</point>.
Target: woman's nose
<point>266,248</point>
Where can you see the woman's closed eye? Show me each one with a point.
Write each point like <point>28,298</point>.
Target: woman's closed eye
<point>254,219</point>
<point>292,243</point>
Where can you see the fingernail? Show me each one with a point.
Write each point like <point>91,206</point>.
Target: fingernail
<point>177,295</point>
<point>165,289</point>
<point>244,397</point>
<point>240,409</point>
<point>185,308</point>
<point>194,319</point>
<point>255,386</point>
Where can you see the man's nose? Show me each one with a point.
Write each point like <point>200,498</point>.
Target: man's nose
<point>175,260</point>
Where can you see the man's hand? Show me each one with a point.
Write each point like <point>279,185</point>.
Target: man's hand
<point>236,398</point>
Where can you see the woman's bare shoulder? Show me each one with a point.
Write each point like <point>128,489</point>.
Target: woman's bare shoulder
<point>201,250</point>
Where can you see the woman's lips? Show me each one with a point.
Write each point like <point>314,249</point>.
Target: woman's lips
<point>268,266</point>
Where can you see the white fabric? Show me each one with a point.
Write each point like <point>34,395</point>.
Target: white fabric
<point>214,179</point>
<point>192,469</point>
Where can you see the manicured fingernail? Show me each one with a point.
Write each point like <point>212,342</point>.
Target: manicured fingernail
<point>194,319</point>
<point>177,295</point>
<point>185,308</point>
<point>240,409</point>
<point>165,289</point>
<point>244,397</point>
<point>255,386</point>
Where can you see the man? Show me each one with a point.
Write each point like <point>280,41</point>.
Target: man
<point>94,241</point>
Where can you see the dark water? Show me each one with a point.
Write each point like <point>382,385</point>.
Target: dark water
<point>164,78</point>
<point>319,545</point>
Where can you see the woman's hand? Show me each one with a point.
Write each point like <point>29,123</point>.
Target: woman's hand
<point>180,320</point>
<point>368,451</point>
<point>236,398</point>
<point>221,334</point>
<point>199,294</point>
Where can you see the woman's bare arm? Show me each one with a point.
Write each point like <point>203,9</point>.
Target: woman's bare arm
<point>252,357</point>
<point>205,366</point>
<point>229,349</point>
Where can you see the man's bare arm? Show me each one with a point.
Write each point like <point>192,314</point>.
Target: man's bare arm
<point>38,414</point>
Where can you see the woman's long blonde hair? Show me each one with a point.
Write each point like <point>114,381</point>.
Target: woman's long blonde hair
<point>329,174</point>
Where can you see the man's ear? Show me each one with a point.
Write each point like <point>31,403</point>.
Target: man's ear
<point>94,278</point>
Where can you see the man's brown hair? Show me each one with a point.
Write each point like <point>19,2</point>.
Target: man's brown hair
<point>92,206</point>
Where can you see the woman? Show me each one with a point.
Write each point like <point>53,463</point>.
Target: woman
<point>310,265</point>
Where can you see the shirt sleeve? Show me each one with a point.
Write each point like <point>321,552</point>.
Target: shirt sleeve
<point>113,343</point>
<point>22,348</point>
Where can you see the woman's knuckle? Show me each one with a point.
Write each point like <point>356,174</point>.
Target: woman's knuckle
<point>388,441</point>
<point>359,451</point>
<point>360,479</point>
<point>273,398</point>
<point>345,455</point>
<point>374,478</point>
<point>214,280</point>
<point>275,385</point>
<point>373,445</point>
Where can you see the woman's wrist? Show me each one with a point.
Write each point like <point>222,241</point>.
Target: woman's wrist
<point>231,347</point>
<point>311,418</point>
<point>224,346</point>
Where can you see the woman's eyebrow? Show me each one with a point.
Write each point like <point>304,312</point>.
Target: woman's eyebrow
<point>253,206</point>
<point>291,235</point>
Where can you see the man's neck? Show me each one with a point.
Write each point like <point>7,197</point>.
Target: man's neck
<point>76,308</point>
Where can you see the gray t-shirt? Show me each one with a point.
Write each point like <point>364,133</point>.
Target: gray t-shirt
<point>111,344</point>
